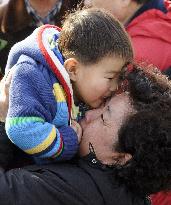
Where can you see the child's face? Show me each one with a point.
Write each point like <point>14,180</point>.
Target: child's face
<point>94,83</point>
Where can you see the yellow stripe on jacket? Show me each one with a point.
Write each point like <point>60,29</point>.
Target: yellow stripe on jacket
<point>46,143</point>
<point>59,93</point>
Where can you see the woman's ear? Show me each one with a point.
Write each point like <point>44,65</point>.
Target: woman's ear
<point>126,158</point>
<point>71,66</point>
<point>121,158</point>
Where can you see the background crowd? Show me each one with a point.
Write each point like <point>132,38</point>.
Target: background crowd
<point>148,22</point>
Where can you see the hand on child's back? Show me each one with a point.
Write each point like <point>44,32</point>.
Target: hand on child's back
<point>4,94</point>
<point>77,128</point>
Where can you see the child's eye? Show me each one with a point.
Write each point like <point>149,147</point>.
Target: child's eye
<point>109,77</point>
<point>113,77</point>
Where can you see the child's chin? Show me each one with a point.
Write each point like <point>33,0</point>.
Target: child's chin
<point>96,104</point>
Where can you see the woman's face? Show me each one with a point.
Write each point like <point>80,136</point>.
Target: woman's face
<point>101,126</point>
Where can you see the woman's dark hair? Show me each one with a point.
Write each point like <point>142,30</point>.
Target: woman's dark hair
<point>91,34</point>
<point>146,135</point>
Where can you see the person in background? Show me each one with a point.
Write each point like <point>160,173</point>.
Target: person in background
<point>124,152</point>
<point>148,22</point>
<point>18,19</point>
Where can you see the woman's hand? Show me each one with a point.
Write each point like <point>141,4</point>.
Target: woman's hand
<point>77,128</point>
<point>4,95</point>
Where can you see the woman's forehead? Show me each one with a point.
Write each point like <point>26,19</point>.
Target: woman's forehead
<point>120,103</point>
<point>122,97</point>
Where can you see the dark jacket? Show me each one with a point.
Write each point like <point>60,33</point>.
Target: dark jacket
<point>16,24</point>
<point>86,182</point>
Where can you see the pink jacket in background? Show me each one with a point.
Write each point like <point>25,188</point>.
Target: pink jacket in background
<point>151,36</point>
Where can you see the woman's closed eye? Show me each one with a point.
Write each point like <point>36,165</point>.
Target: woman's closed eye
<point>102,117</point>
<point>105,116</point>
<point>103,120</point>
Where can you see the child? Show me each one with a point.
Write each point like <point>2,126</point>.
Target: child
<point>53,67</point>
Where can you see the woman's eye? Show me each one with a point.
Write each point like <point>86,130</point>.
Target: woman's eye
<point>103,120</point>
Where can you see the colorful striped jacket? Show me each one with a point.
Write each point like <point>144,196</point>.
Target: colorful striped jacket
<point>41,98</point>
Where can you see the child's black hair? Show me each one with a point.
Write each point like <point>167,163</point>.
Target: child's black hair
<point>91,34</point>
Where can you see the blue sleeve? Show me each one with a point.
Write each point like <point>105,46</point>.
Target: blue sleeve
<point>32,108</point>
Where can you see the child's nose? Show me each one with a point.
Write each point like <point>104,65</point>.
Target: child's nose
<point>113,86</point>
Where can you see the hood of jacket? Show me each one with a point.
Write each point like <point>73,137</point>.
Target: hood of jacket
<point>143,21</point>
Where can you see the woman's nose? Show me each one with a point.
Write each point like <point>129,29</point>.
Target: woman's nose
<point>92,115</point>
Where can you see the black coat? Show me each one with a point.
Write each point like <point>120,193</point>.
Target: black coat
<point>78,183</point>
